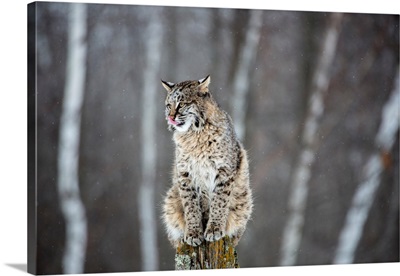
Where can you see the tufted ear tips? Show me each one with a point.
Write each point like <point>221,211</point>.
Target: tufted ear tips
<point>203,84</point>
<point>167,85</point>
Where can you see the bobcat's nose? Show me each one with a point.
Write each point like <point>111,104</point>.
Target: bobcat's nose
<point>172,114</point>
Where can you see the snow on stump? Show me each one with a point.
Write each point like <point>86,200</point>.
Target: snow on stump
<point>208,255</point>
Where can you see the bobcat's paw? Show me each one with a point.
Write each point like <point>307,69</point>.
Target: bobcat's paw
<point>193,237</point>
<point>213,232</point>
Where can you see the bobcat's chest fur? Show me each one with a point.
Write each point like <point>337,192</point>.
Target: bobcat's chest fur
<point>200,158</point>
<point>203,173</point>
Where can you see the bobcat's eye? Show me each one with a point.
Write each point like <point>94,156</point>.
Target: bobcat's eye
<point>180,105</point>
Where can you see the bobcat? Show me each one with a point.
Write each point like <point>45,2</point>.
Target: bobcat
<point>210,196</point>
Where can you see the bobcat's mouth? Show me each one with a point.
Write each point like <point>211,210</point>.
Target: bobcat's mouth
<point>171,121</point>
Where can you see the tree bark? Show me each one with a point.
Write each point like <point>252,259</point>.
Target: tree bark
<point>302,172</point>
<point>365,194</point>
<point>208,255</point>
<point>242,75</point>
<point>68,149</point>
<point>146,198</point>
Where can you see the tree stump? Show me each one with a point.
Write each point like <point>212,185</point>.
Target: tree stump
<point>208,255</point>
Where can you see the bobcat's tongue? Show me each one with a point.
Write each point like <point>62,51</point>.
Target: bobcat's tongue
<point>171,121</point>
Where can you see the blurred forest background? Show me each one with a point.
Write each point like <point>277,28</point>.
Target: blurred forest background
<point>278,55</point>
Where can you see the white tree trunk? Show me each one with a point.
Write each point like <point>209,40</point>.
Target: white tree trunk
<point>242,75</point>
<point>302,171</point>
<point>147,205</point>
<point>68,148</point>
<point>365,193</point>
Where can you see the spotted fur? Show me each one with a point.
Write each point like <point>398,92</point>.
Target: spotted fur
<point>210,196</point>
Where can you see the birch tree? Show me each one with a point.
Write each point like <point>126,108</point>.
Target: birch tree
<point>242,75</point>
<point>357,215</point>
<point>302,170</point>
<point>147,205</point>
<point>68,150</point>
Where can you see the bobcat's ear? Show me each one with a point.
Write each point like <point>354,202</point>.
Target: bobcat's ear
<point>167,85</point>
<point>203,84</point>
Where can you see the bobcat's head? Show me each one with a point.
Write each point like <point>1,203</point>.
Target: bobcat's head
<point>184,105</point>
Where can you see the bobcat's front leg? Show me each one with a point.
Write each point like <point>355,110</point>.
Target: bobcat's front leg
<point>216,225</point>
<point>191,205</point>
